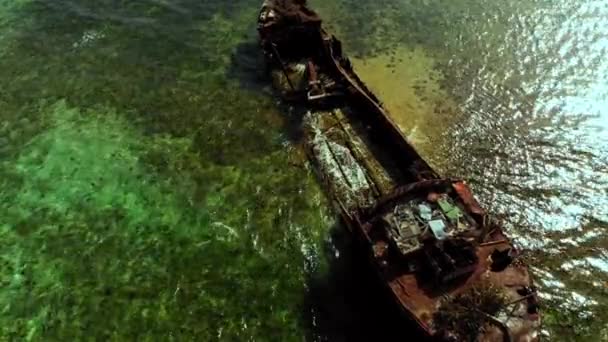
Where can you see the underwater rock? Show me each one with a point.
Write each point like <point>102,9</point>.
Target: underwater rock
<point>26,126</point>
<point>14,135</point>
<point>24,122</point>
<point>4,129</point>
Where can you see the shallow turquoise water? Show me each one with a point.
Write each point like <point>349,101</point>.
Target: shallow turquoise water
<point>150,188</point>
<point>148,191</point>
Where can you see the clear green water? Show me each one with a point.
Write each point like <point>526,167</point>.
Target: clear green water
<point>150,188</point>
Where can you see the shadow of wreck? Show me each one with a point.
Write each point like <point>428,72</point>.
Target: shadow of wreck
<point>350,303</point>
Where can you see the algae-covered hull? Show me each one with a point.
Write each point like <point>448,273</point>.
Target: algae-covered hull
<point>447,263</point>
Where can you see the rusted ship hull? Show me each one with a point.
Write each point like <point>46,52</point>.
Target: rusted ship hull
<point>448,266</point>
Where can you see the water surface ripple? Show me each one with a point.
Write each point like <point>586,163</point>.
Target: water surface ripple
<point>520,109</point>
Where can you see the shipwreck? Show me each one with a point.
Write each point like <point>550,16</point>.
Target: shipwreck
<point>449,267</point>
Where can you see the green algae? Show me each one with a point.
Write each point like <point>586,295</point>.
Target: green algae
<point>145,194</point>
<point>464,315</point>
<point>96,244</point>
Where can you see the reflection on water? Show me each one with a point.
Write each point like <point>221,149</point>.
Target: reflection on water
<point>149,189</point>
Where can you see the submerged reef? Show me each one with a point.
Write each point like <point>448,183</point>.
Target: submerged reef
<point>145,194</point>
<point>95,242</point>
